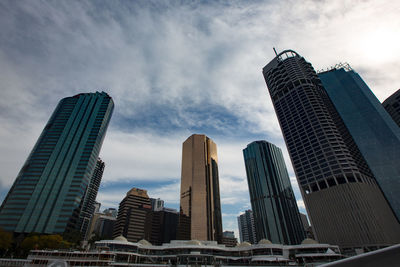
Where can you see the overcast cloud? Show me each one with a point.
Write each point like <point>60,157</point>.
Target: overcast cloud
<point>175,68</point>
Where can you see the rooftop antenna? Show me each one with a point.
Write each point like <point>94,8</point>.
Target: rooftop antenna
<point>276,54</point>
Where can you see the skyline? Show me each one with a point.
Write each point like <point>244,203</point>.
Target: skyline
<point>169,68</point>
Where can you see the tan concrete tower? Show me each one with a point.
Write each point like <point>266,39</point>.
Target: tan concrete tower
<point>200,209</point>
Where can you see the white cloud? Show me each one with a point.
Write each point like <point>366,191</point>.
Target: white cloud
<point>180,56</point>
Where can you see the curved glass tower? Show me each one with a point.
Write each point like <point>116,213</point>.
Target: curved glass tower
<point>47,194</point>
<point>276,215</point>
<point>345,204</point>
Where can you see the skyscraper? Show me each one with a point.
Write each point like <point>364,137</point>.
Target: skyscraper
<point>157,204</point>
<point>392,106</point>
<point>247,230</point>
<point>344,203</point>
<point>274,206</point>
<point>200,208</point>
<point>374,132</point>
<point>47,194</point>
<point>133,219</point>
<point>89,199</point>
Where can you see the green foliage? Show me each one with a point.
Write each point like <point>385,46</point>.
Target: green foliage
<point>6,240</point>
<point>73,236</point>
<point>34,241</point>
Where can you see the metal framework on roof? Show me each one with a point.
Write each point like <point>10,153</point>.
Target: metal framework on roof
<point>345,66</point>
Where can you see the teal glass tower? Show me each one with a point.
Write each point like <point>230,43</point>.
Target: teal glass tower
<point>276,214</point>
<point>47,195</point>
<point>374,132</point>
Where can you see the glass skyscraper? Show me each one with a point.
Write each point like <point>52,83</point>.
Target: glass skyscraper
<point>276,215</point>
<point>47,194</point>
<point>392,106</point>
<point>200,207</point>
<point>345,205</point>
<point>375,133</point>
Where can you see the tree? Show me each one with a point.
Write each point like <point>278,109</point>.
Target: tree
<point>35,241</point>
<point>6,240</point>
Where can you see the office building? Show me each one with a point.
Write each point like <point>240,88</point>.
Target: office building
<point>111,212</point>
<point>157,204</point>
<point>164,224</point>
<point>374,132</point>
<point>344,203</point>
<point>200,208</point>
<point>97,206</point>
<point>306,225</point>
<point>101,225</point>
<point>276,215</point>
<point>247,230</point>
<point>304,221</point>
<point>392,106</point>
<point>229,239</point>
<point>89,200</point>
<point>133,219</point>
<point>47,194</point>
<point>228,234</point>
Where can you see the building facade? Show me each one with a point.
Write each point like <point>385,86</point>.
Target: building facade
<point>344,203</point>
<point>164,226</point>
<point>157,204</point>
<point>392,106</point>
<point>120,252</point>
<point>89,200</point>
<point>101,225</point>
<point>47,195</point>
<point>274,206</point>
<point>200,208</point>
<point>374,132</point>
<point>133,219</point>
<point>247,230</point>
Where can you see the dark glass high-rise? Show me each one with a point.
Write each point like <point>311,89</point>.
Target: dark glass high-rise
<point>392,106</point>
<point>47,194</point>
<point>276,215</point>
<point>344,202</point>
<point>373,130</point>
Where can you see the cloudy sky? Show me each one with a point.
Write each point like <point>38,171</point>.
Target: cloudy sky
<point>175,68</point>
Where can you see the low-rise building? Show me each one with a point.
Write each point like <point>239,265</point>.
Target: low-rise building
<point>121,252</point>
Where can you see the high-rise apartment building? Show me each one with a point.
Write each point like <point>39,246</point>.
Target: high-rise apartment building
<point>200,208</point>
<point>373,130</point>
<point>392,106</point>
<point>274,206</point>
<point>133,219</point>
<point>89,200</point>
<point>344,203</point>
<point>48,193</point>
<point>247,230</point>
